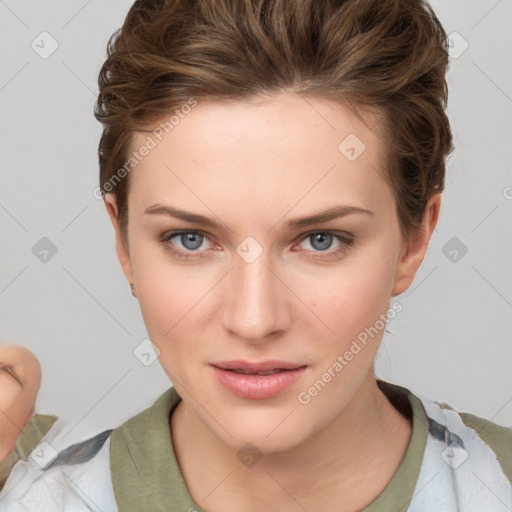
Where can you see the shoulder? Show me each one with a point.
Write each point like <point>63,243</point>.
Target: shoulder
<point>444,422</point>
<point>471,432</point>
<point>47,474</point>
<point>455,459</point>
<point>75,478</point>
<point>468,457</point>
<point>497,437</point>
<point>27,440</point>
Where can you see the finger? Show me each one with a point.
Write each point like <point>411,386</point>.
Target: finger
<point>8,369</point>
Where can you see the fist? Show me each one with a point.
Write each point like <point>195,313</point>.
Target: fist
<point>20,378</point>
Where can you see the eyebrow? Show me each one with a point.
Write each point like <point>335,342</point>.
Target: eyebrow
<point>159,209</point>
<point>322,216</point>
<point>326,215</point>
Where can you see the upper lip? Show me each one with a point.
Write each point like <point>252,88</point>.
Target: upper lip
<point>262,366</point>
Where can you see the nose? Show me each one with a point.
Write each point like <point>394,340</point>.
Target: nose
<point>257,307</point>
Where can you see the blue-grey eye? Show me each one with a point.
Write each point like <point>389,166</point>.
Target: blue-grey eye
<point>324,241</point>
<point>191,241</point>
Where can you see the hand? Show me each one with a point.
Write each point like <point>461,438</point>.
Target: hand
<point>20,378</point>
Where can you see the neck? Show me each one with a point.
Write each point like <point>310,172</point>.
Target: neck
<point>353,458</point>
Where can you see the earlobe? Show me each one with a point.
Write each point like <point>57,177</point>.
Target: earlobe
<point>121,250</point>
<point>417,247</point>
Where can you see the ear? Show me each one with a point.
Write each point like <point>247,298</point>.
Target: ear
<point>417,247</point>
<point>121,250</point>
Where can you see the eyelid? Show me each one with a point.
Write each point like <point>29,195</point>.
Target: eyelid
<point>346,241</point>
<point>344,235</point>
<point>166,237</point>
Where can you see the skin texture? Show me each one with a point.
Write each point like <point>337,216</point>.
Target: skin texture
<point>20,378</point>
<point>252,167</point>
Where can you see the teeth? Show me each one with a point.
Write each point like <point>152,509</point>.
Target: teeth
<point>270,372</point>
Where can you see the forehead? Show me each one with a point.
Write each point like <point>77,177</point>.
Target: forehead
<point>271,153</point>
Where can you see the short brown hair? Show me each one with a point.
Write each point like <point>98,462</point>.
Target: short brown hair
<point>386,56</point>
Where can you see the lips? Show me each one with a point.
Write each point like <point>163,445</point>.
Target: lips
<point>261,368</point>
<point>259,380</point>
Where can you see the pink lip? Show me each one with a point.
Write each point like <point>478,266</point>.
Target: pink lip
<point>257,387</point>
<point>262,366</point>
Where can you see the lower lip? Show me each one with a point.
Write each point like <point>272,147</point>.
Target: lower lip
<point>258,387</point>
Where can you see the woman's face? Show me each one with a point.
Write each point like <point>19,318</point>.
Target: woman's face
<point>259,283</point>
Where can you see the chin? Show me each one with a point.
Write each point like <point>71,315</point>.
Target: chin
<point>259,442</point>
<point>269,435</point>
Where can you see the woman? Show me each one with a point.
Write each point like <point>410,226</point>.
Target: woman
<point>273,172</point>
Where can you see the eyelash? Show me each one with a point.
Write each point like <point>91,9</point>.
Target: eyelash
<point>345,239</point>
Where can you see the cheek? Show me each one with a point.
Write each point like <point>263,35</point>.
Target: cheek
<point>167,294</point>
<point>174,300</point>
<point>352,302</point>
<point>352,296</point>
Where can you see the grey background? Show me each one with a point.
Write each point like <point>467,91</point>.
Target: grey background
<point>452,340</point>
